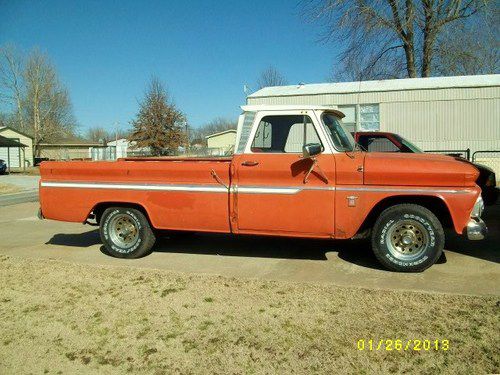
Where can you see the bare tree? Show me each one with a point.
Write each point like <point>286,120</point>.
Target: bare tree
<point>158,124</point>
<point>48,107</point>
<point>271,77</point>
<point>11,82</point>
<point>219,124</point>
<point>100,134</point>
<point>469,49</point>
<point>39,104</point>
<point>389,38</point>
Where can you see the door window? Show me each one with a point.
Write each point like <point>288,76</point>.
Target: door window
<point>284,134</point>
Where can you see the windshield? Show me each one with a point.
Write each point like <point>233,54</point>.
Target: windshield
<point>409,145</point>
<point>341,138</point>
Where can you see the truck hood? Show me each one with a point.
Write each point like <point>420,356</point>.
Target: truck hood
<point>417,170</point>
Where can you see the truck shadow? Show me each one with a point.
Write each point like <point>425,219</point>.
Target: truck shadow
<point>353,251</point>
<point>357,252</point>
<point>85,239</point>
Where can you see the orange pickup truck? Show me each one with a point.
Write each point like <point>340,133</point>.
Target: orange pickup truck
<point>295,171</point>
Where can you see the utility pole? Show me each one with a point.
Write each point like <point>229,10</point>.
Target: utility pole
<point>116,139</point>
<point>187,137</point>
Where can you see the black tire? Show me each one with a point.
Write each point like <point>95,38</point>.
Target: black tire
<point>407,238</point>
<point>126,233</point>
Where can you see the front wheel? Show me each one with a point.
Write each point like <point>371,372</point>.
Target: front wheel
<point>407,238</point>
<point>126,233</point>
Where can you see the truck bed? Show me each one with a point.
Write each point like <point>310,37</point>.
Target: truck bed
<point>176,193</point>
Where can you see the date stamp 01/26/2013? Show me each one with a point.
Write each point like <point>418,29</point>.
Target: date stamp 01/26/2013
<point>403,345</point>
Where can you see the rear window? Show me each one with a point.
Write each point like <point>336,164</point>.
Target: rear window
<point>284,134</point>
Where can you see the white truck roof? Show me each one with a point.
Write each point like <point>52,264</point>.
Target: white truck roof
<point>251,109</point>
<point>289,107</point>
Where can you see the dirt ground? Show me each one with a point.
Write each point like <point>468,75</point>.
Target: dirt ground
<point>59,317</point>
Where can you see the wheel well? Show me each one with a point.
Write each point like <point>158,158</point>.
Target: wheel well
<point>99,209</point>
<point>433,204</point>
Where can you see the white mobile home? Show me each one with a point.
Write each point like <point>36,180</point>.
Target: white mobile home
<point>440,113</point>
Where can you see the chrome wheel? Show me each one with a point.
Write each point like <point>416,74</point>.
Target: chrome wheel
<point>407,239</point>
<point>123,231</point>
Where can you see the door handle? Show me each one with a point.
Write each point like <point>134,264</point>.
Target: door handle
<point>250,163</point>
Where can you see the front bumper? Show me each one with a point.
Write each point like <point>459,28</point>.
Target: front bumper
<point>476,229</point>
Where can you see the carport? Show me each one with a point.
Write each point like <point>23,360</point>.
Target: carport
<point>10,149</point>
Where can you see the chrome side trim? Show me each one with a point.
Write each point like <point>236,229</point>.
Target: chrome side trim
<point>248,189</point>
<point>124,186</point>
<point>265,190</point>
<point>402,190</point>
<point>288,190</point>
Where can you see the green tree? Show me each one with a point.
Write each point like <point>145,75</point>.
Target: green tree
<point>159,124</point>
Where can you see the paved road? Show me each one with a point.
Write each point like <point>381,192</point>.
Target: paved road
<point>28,186</point>
<point>466,268</point>
<point>22,197</point>
<point>24,182</point>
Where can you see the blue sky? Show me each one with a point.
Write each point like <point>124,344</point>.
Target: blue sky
<point>204,51</point>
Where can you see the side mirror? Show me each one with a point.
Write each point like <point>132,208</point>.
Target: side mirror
<point>311,149</point>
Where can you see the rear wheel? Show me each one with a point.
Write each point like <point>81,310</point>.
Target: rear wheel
<point>407,238</point>
<point>126,233</point>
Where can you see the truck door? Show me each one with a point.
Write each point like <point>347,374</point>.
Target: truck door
<point>270,193</point>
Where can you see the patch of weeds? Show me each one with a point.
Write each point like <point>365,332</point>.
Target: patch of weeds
<point>168,291</point>
<point>146,352</point>
<point>71,356</point>
<point>31,309</point>
<point>208,299</point>
<point>143,332</point>
<point>7,342</point>
<point>262,310</point>
<point>86,360</point>
<point>5,300</point>
<point>169,336</point>
<point>205,324</point>
<point>97,315</point>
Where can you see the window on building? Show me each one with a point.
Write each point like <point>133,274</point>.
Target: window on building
<point>284,134</point>
<point>361,117</point>
<point>369,119</point>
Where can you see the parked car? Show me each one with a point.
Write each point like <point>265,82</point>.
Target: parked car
<point>391,142</point>
<point>3,166</point>
<point>296,172</point>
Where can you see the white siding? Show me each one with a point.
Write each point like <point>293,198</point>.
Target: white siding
<point>28,150</point>
<point>440,118</point>
<point>11,155</point>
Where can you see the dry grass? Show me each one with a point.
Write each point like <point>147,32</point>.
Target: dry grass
<point>31,171</point>
<point>57,317</point>
<point>8,189</point>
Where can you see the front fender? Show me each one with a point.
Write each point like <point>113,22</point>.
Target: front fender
<point>369,202</point>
